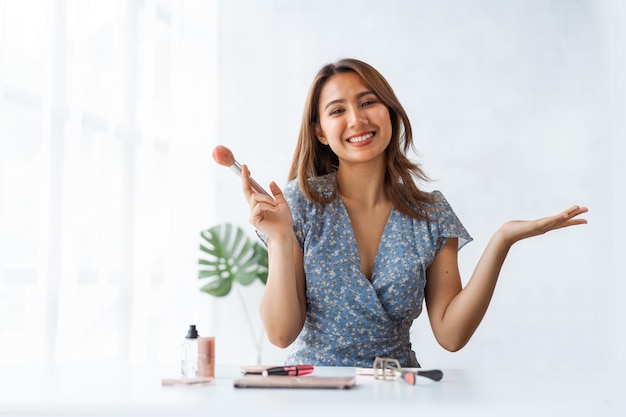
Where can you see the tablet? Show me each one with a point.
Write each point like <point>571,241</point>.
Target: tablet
<point>308,381</point>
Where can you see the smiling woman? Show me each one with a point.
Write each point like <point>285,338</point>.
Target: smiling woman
<point>99,167</point>
<point>511,103</point>
<point>356,248</point>
<point>109,112</point>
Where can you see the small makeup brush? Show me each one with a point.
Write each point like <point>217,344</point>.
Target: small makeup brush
<point>225,157</point>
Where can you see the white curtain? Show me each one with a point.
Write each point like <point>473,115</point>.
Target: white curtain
<point>107,119</point>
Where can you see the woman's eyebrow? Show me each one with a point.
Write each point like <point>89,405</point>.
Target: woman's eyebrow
<point>341,100</point>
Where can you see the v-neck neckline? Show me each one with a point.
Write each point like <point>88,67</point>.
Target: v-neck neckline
<point>356,255</point>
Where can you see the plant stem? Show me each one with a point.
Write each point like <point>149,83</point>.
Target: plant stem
<point>257,344</point>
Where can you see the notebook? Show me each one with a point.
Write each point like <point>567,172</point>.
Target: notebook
<point>307,381</point>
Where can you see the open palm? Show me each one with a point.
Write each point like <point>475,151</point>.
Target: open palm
<point>517,230</point>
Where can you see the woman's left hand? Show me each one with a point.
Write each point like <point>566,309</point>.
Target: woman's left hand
<point>516,230</point>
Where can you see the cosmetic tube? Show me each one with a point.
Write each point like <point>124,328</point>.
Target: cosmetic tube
<point>206,356</point>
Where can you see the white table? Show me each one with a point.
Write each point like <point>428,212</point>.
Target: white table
<point>98,390</point>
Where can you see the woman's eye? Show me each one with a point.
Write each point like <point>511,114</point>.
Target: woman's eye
<point>336,111</point>
<point>368,103</point>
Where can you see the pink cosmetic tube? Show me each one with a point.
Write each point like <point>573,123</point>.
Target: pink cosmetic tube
<point>206,356</point>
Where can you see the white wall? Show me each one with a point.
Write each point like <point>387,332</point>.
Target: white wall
<point>515,110</point>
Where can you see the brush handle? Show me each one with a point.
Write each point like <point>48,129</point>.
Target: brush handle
<point>434,374</point>
<point>236,167</point>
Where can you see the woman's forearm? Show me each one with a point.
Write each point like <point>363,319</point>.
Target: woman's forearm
<point>467,309</point>
<point>283,301</point>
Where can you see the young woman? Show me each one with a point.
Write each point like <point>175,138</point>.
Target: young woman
<point>355,247</point>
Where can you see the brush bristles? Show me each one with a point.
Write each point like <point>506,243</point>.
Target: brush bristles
<point>223,156</point>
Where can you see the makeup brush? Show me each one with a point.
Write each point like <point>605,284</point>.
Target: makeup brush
<point>409,376</point>
<point>225,157</point>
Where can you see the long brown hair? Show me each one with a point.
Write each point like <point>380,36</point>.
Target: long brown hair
<point>313,159</point>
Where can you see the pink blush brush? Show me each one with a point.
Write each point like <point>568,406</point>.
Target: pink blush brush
<point>225,157</point>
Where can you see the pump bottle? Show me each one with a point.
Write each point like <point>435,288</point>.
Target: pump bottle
<point>189,353</point>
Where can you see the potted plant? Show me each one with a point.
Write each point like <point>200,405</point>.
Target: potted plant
<point>228,258</point>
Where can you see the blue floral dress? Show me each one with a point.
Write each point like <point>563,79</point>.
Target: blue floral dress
<point>349,319</point>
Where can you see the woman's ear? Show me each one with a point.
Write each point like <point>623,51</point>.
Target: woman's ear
<point>320,135</point>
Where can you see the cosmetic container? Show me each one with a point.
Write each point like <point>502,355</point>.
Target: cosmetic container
<point>206,356</point>
<point>189,353</point>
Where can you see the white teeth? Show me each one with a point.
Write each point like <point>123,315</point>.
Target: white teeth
<point>360,138</point>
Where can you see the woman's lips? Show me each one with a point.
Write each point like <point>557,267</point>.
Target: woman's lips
<point>360,138</point>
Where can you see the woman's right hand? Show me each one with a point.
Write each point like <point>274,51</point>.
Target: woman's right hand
<point>283,306</point>
<point>270,216</point>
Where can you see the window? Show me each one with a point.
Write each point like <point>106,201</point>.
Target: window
<point>107,120</point>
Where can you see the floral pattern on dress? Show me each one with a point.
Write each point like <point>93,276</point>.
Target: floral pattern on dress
<point>351,320</point>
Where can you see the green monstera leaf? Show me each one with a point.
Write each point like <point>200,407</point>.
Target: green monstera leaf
<point>229,256</point>
<point>261,256</point>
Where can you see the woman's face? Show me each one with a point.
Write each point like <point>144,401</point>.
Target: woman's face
<point>353,121</point>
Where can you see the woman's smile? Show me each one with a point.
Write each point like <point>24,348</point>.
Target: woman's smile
<point>361,139</point>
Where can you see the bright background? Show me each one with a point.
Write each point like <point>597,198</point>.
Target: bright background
<point>109,111</point>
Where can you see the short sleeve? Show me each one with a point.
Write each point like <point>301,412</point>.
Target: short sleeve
<point>298,205</point>
<point>448,223</point>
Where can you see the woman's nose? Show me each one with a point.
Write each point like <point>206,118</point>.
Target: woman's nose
<point>357,117</point>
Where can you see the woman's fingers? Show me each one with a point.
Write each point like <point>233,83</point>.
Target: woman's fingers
<point>575,211</point>
<point>572,213</point>
<point>276,191</point>
<point>516,230</point>
<point>262,202</point>
<point>566,218</point>
<point>266,212</point>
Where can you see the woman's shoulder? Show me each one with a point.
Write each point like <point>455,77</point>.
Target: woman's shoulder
<point>446,220</point>
<point>434,207</point>
<point>438,203</point>
<point>437,198</point>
